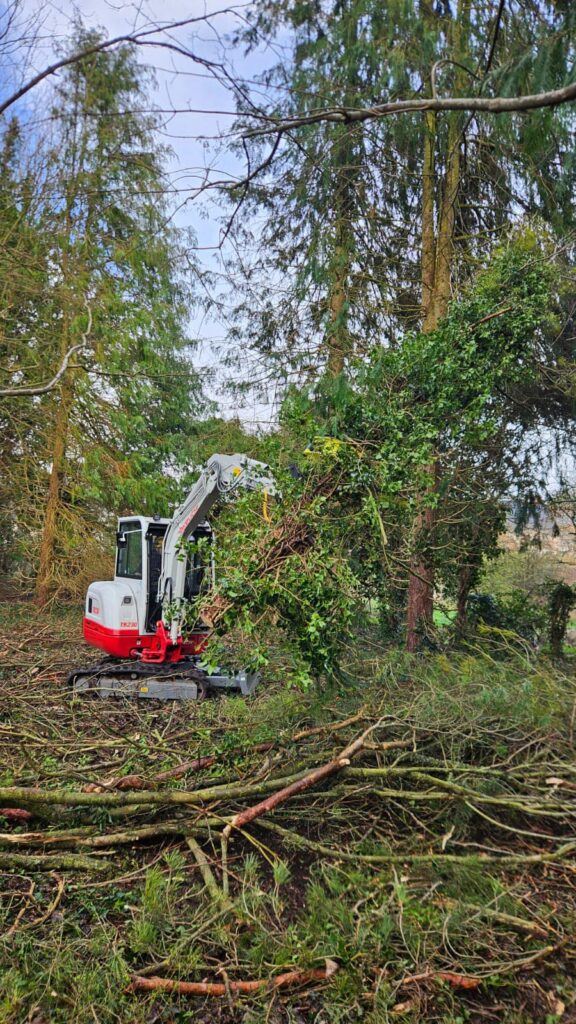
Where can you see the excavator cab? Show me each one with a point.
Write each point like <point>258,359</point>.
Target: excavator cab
<point>200,568</point>
<point>121,615</point>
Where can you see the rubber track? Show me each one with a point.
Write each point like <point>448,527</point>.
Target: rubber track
<point>138,670</point>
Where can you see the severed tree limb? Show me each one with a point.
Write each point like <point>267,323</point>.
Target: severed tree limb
<point>205,870</point>
<point>517,924</point>
<point>207,760</point>
<point>290,979</point>
<point>516,802</point>
<point>468,982</point>
<point>318,730</point>
<point>305,782</point>
<point>224,859</point>
<point>88,838</point>
<point>129,801</point>
<point>455,980</point>
<point>298,786</point>
<point>479,859</point>
<point>15,815</point>
<point>196,765</point>
<point>25,797</point>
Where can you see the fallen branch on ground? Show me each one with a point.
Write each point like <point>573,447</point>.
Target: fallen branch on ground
<point>51,862</point>
<point>89,838</point>
<point>17,815</point>
<point>205,870</point>
<point>517,924</point>
<point>464,981</point>
<point>481,858</point>
<point>126,782</point>
<point>290,979</point>
<point>163,798</point>
<point>298,786</point>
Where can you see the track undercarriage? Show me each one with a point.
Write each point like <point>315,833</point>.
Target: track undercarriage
<point>183,680</point>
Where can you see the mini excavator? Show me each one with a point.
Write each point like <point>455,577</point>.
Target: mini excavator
<point>162,565</point>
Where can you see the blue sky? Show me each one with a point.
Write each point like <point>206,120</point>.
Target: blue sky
<point>182,86</point>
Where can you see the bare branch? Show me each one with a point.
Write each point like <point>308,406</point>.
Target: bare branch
<point>106,44</point>
<point>43,389</point>
<point>489,105</point>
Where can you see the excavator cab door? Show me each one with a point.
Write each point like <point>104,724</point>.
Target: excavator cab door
<point>199,571</point>
<point>154,542</point>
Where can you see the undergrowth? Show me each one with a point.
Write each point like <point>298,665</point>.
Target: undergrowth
<point>402,934</point>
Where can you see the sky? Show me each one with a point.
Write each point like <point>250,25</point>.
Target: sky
<point>205,110</point>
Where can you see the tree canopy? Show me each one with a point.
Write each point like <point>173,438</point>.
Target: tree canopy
<point>403,284</point>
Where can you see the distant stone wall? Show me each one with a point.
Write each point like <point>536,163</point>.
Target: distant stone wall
<point>555,538</point>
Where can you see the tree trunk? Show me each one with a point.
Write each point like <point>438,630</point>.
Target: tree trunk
<point>337,338</point>
<point>445,243</point>
<point>465,577</point>
<point>50,528</point>
<point>436,263</point>
<point>71,277</point>
<point>345,170</point>
<point>428,259</point>
<point>420,609</point>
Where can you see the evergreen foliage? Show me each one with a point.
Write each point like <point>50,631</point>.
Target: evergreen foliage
<point>108,272</point>
<point>334,229</point>
<point>439,399</point>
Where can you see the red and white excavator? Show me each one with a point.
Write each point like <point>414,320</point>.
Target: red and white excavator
<point>162,565</point>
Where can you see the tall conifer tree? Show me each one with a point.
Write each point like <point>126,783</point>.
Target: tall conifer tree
<point>422,198</point>
<point>116,432</point>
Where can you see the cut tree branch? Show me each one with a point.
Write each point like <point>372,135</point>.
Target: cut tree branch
<point>218,988</point>
<point>51,862</point>
<point>299,785</point>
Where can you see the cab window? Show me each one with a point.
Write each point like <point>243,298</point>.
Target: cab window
<point>129,560</point>
<point>194,583</point>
